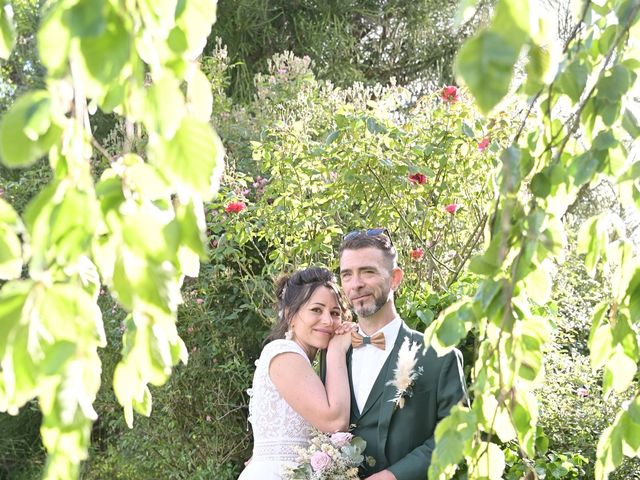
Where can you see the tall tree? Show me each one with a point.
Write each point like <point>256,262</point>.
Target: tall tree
<point>348,40</point>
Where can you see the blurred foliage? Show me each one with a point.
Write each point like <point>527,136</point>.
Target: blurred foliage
<point>202,405</point>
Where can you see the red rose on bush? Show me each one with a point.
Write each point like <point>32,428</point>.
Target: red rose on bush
<point>452,208</point>
<point>450,94</point>
<point>235,207</point>
<point>484,143</point>
<point>417,254</point>
<point>419,178</point>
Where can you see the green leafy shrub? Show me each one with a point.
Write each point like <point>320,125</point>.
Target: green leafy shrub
<point>202,409</point>
<point>329,160</point>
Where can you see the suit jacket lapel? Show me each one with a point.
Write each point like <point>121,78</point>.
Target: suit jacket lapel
<point>355,413</point>
<point>378,386</point>
<point>387,408</point>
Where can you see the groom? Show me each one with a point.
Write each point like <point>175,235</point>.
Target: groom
<point>400,437</point>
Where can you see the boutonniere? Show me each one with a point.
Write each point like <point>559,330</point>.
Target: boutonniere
<point>405,373</point>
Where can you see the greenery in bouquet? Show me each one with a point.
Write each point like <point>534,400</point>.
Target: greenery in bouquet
<point>334,456</point>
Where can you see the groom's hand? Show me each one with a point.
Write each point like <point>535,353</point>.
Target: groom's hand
<point>383,475</point>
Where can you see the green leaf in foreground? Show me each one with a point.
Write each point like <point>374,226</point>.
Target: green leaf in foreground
<point>193,157</point>
<point>485,64</point>
<point>27,131</point>
<point>7,30</point>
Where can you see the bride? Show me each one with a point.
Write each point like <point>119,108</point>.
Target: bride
<point>288,397</point>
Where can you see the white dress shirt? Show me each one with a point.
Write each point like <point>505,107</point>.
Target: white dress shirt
<point>367,360</point>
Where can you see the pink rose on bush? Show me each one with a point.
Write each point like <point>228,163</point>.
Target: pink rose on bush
<point>452,208</point>
<point>340,439</point>
<point>484,143</point>
<point>320,461</point>
<point>450,94</point>
<point>235,207</point>
<point>417,254</point>
<point>419,178</point>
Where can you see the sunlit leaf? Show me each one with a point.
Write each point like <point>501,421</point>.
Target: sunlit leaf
<point>199,95</point>
<point>195,18</point>
<point>54,39</point>
<point>164,107</point>
<point>496,418</point>
<point>7,30</point>
<point>26,130</point>
<point>488,462</point>
<point>450,327</point>
<point>619,371</point>
<point>485,64</point>
<point>524,411</point>
<point>192,158</point>
<point>453,440</point>
<point>105,55</point>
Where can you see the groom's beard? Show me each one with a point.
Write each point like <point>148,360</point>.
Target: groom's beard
<point>367,309</point>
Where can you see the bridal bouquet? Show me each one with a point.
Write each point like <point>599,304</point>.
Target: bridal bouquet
<point>328,457</point>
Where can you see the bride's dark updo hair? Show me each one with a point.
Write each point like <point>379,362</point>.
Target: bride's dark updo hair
<point>293,291</point>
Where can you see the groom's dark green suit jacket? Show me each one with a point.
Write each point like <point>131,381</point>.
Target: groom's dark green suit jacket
<point>402,439</point>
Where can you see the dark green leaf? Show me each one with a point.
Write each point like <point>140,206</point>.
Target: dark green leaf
<point>605,41</point>
<point>333,135</point>
<point>540,184</point>
<point>454,325</point>
<point>614,84</point>
<point>583,167</point>
<point>573,79</point>
<point>537,68</point>
<point>105,55</point>
<point>604,141</point>
<point>374,126</point>
<point>86,18</point>
<point>510,170</point>
<point>630,124</point>
<point>425,316</point>
<point>633,294</point>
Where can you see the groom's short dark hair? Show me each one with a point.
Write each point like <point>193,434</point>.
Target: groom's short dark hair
<point>362,239</point>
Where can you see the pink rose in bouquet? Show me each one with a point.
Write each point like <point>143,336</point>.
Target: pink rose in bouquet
<point>319,461</point>
<point>340,439</point>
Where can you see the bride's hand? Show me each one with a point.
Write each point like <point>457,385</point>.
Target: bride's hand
<point>342,337</point>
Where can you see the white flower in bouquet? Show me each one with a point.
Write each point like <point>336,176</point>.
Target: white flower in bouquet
<point>405,373</point>
<point>328,457</point>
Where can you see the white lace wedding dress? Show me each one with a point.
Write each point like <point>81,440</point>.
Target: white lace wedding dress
<point>277,428</point>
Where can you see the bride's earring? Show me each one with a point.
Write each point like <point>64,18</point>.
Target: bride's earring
<point>289,334</point>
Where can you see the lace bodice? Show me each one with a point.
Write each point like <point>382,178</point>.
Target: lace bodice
<point>277,428</point>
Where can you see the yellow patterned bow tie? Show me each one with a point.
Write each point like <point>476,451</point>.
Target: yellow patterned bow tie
<point>376,340</point>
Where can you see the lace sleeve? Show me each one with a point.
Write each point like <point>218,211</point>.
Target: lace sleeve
<point>263,391</point>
